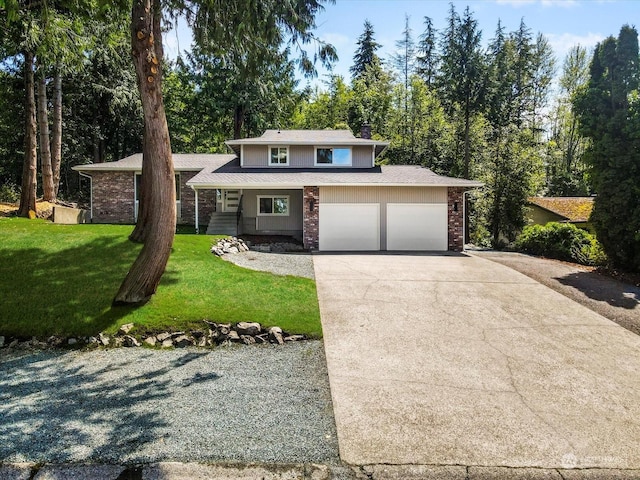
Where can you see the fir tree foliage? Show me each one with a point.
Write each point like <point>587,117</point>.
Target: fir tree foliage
<point>609,113</point>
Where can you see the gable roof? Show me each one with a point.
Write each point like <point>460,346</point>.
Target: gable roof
<point>307,137</point>
<point>231,175</point>
<point>572,209</point>
<point>182,162</point>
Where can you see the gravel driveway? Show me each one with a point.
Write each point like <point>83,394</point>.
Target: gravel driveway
<point>299,264</point>
<point>248,404</point>
<point>617,301</point>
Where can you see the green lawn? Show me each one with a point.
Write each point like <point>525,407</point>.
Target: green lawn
<point>60,279</point>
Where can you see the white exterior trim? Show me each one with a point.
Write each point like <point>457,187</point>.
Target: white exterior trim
<point>332,165</point>
<point>277,164</point>
<point>258,214</point>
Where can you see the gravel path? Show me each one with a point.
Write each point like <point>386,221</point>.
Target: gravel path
<point>246,404</point>
<point>298,264</point>
<point>617,301</point>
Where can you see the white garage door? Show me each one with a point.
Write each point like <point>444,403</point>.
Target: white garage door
<point>349,226</point>
<point>417,226</point>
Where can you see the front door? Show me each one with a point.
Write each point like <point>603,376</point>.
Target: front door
<point>230,200</point>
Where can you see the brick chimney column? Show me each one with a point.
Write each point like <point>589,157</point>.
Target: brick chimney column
<point>365,131</point>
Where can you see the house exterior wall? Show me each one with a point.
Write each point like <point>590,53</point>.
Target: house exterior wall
<point>383,196</point>
<point>455,214</point>
<point>311,220</point>
<point>540,216</point>
<point>113,197</point>
<point>253,224</point>
<point>301,156</point>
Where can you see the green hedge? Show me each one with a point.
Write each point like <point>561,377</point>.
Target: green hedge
<point>563,241</point>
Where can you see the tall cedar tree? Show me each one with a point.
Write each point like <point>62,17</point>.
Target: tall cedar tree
<point>461,76</point>
<point>365,55</point>
<point>427,58</point>
<point>608,110</point>
<point>216,26</point>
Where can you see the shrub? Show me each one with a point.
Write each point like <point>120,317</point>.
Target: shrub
<point>9,193</point>
<point>563,241</point>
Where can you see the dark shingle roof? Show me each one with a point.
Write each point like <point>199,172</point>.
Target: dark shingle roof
<point>232,175</point>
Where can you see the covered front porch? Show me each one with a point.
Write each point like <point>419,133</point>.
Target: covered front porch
<point>250,211</point>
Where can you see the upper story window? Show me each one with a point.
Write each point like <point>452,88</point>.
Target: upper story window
<point>333,156</point>
<point>278,155</point>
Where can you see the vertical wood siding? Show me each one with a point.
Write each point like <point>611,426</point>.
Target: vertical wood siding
<point>302,156</point>
<point>290,223</point>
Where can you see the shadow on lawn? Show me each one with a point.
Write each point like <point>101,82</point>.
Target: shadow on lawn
<point>603,289</point>
<point>68,292</point>
<point>56,407</point>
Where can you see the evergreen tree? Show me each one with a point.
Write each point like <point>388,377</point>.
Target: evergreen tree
<point>461,78</point>
<point>365,55</point>
<point>427,59</point>
<point>608,110</point>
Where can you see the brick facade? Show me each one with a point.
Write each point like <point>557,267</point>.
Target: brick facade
<point>455,210</point>
<point>310,217</point>
<point>206,202</point>
<point>113,197</point>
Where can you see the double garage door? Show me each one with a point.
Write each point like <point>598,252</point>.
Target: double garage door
<point>359,226</point>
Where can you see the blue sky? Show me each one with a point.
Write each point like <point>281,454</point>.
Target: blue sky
<point>564,22</point>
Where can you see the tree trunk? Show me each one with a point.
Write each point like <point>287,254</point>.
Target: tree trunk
<point>56,130</point>
<point>141,230</point>
<point>48,189</point>
<point>145,274</point>
<point>238,121</point>
<point>29,169</point>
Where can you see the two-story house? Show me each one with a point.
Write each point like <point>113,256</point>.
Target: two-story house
<point>322,186</point>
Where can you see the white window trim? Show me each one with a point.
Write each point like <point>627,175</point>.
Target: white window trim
<point>315,156</point>
<point>286,164</point>
<point>288,213</point>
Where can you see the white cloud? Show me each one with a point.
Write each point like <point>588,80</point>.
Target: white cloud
<point>562,42</point>
<point>544,3</point>
<point>336,39</point>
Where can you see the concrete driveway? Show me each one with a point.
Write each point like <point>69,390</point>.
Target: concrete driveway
<point>457,360</point>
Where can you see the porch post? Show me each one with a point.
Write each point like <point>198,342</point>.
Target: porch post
<point>197,222</point>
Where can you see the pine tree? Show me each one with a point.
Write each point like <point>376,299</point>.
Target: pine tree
<point>365,55</point>
<point>427,59</point>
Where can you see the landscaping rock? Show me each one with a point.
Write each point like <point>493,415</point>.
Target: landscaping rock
<point>161,337</point>
<point>151,341</point>
<point>168,343</point>
<point>124,329</point>
<point>104,339</point>
<point>203,342</point>
<point>130,341</point>
<point>247,339</point>
<point>92,340</point>
<point>1,341</point>
<point>175,335</point>
<point>248,328</point>
<point>13,343</point>
<point>233,336</point>
<point>294,338</point>
<point>229,245</point>
<point>118,341</point>
<point>275,335</point>
<point>72,341</point>
<point>183,341</point>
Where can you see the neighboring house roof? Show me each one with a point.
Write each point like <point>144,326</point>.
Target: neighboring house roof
<point>572,209</point>
<point>307,137</point>
<point>231,175</point>
<point>185,162</point>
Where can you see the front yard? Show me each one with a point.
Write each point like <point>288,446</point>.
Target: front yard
<point>60,280</point>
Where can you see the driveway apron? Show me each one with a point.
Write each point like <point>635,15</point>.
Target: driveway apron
<point>457,360</point>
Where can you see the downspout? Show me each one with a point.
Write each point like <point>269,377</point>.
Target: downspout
<point>195,191</point>
<point>464,218</point>
<point>90,193</point>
